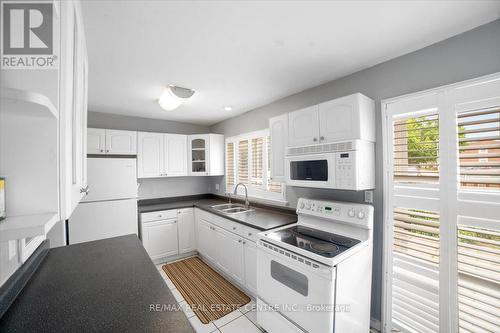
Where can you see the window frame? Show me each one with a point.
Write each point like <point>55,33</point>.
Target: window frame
<point>254,191</point>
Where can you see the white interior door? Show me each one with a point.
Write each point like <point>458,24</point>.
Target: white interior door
<point>96,141</point>
<point>150,155</point>
<point>175,156</point>
<point>121,142</point>
<point>442,208</point>
<point>303,127</point>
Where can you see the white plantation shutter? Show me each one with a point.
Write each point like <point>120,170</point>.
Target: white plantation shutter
<point>442,178</point>
<point>243,161</point>
<point>247,161</point>
<point>257,161</point>
<point>230,174</point>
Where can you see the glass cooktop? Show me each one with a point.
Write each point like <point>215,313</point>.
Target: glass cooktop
<point>320,242</point>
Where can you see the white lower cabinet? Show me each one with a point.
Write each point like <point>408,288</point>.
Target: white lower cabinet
<point>250,255</point>
<point>168,233</point>
<point>160,238</point>
<point>185,229</point>
<point>229,246</point>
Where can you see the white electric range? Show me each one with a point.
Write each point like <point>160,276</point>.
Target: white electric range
<point>315,275</point>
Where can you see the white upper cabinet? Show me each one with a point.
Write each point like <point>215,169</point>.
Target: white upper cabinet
<point>96,141</point>
<point>73,104</point>
<point>121,142</point>
<point>150,155</point>
<point>175,155</point>
<point>303,127</point>
<point>161,155</point>
<point>206,155</point>
<point>111,142</point>
<point>347,118</point>
<point>278,128</point>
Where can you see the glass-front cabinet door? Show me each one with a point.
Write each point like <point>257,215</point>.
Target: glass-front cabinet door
<point>198,154</point>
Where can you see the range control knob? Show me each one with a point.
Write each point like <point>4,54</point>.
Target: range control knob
<point>308,205</point>
<point>302,205</point>
<point>361,214</point>
<point>350,212</point>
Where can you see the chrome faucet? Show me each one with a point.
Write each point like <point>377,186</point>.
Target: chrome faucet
<point>247,204</point>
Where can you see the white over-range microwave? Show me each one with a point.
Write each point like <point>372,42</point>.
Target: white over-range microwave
<point>347,165</point>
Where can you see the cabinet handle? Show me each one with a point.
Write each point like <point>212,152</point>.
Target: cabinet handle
<point>244,242</point>
<point>315,139</point>
<point>239,240</point>
<point>107,150</point>
<point>249,234</point>
<point>234,228</point>
<point>102,150</point>
<point>322,138</point>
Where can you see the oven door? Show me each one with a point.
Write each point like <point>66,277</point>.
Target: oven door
<point>311,170</point>
<point>301,294</point>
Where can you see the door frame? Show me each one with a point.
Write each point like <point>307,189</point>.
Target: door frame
<point>450,317</point>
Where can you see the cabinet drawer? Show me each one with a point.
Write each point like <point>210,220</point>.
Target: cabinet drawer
<point>249,233</point>
<point>159,215</point>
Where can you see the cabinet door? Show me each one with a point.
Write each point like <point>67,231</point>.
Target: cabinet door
<point>73,105</point>
<point>337,120</point>
<point>150,155</point>
<point>160,238</point>
<point>198,155</point>
<point>121,142</point>
<point>236,253</point>
<point>175,155</point>
<point>96,138</point>
<point>185,225</point>
<point>303,127</point>
<point>206,245</point>
<point>278,127</point>
<point>250,249</point>
<point>222,250</point>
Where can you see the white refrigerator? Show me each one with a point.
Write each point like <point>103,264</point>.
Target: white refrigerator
<point>110,208</point>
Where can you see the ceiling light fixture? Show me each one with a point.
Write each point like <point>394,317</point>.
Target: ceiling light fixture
<point>228,108</point>
<point>173,96</point>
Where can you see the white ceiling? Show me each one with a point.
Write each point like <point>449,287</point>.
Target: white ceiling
<point>249,53</point>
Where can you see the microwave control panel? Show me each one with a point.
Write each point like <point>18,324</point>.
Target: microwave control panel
<point>345,170</point>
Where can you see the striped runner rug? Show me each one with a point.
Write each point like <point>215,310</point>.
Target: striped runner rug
<point>210,295</point>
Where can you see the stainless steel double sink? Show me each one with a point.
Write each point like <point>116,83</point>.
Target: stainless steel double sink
<point>232,209</point>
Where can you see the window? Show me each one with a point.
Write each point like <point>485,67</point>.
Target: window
<point>442,209</point>
<point>247,162</point>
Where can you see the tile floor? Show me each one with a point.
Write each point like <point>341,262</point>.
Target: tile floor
<point>243,320</point>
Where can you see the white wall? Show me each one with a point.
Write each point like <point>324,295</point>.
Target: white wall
<point>465,56</point>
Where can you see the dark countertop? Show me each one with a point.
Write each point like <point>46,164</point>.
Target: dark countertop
<point>262,218</point>
<point>101,286</point>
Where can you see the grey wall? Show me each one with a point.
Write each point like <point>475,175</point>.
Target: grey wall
<point>156,187</point>
<point>119,122</point>
<point>469,55</point>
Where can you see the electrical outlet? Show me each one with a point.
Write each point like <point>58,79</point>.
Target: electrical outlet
<point>369,196</point>
<point>217,187</point>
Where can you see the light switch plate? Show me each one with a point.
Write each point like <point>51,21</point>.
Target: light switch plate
<point>369,196</point>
